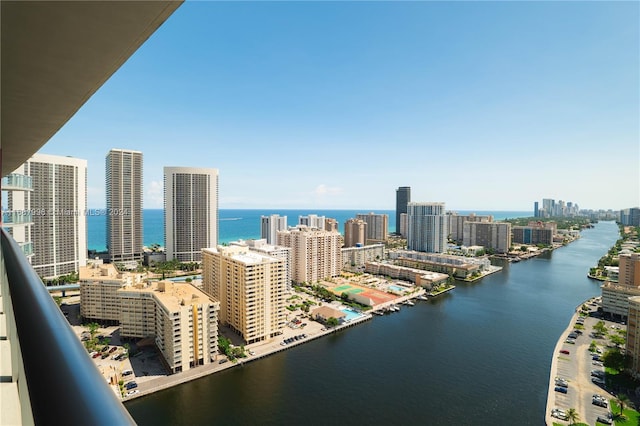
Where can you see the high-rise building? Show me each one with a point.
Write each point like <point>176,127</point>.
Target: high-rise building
<point>124,205</point>
<point>330,224</point>
<point>58,207</point>
<point>630,217</point>
<point>270,225</point>
<point>456,224</point>
<point>190,212</point>
<point>250,287</point>
<point>629,270</point>
<point>279,252</point>
<point>536,212</point>
<point>428,227</point>
<point>377,226</point>
<point>182,319</point>
<point>403,198</point>
<point>494,236</point>
<point>315,254</point>
<point>404,225</point>
<point>312,221</point>
<point>633,335</point>
<point>355,233</point>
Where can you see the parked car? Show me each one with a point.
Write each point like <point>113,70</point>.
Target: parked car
<point>222,361</point>
<point>604,420</point>
<point>127,372</point>
<point>564,351</point>
<point>133,392</point>
<point>560,389</point>
<point>131,385</point>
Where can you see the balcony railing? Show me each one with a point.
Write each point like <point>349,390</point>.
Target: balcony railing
<point>17,217</point>
<point>27,248</point>
<point>56,380</point>
<point>17,182</point>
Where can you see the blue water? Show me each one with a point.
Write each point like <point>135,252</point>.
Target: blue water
<point>397,288</point>
<point>237,224</point>
<point>479,355</point>
<point>351,314</point>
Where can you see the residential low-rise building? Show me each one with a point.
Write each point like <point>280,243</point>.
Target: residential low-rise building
<point>615,298</point>
<point>99,284</point>
<point>354,258</point>
<point>417,276</point>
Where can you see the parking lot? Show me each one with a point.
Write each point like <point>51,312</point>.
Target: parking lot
<point>579,373</point>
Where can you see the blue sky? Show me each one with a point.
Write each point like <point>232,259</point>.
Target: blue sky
<point>485,105</point>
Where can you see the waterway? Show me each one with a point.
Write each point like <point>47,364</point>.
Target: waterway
<point>478,355</point>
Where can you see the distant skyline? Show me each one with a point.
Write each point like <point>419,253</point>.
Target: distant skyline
<point>334,105</point>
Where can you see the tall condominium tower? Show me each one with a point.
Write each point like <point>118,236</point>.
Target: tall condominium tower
<point>250,287</point>
<point>190,212</point>
<point>315,254</point>
<point>377,226</point>
<point>57,206</point>
<point>312,221</point>
<point>403,198</point>
<point>270,225</point>
<point>355,233</point>
<point>124,205</point>
<point>428,227</point>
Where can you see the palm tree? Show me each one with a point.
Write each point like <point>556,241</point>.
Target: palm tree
<point>572,416</point>
<point>623,400</point>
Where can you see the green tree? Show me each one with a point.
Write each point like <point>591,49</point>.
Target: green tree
<point>600,328</point>
<point>617,339</point>
<point>614,359</point>
<point>572,416</point>
<point>332,322</point>
<point>623,401</point>
<point>93,328</point>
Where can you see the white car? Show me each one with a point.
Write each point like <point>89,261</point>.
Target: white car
<point>133,392</point>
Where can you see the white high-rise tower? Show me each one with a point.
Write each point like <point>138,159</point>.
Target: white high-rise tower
<point>427,227</point>
<point>190,212</point>
<point>57,206</point>
<point>124,205</point>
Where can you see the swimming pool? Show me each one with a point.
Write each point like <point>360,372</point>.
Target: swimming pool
<point>397,288</point>
<point>351,314</point>
<point>181,279</point>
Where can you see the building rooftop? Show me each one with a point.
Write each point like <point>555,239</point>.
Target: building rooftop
<point>170,294</point>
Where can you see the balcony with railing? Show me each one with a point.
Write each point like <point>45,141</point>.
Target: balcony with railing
<point>17,182</point>
<point>11,218</point>
<point>62,385</point>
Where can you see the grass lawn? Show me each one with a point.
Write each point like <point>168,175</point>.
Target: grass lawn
<point>632,416</point>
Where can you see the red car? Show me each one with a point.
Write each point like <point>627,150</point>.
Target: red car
<point>564,351</point>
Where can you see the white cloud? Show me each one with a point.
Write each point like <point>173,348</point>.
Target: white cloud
<point>154,197</point>
<point>323,190</point>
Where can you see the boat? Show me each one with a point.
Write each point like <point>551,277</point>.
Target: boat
<point>408,302</point>
<point>422,297</point>
<point>378,312</point>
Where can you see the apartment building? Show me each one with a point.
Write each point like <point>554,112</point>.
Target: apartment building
<point>315,254</point>
<point>495,236</point>
<point>377,227</point>
<point>531,235</point>
<point>427,227</point>
<point>251,289</point>
<point>312,221</point>
<point>124,205</point>
<point>355,233</point>
<point>279,252</point>
<point>182,319</point>
<point>633,335</point>
<point>456,224</point>
<point>190,212</point>
<point>330,224</point>
<point>270,225</point>
<point>403,198</point>
<point>57,207</point>
<point>99,284</point>
<point>355,258</point>
<point>629,270</point>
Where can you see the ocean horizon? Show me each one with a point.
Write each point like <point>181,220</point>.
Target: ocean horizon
<point>236,224</point>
